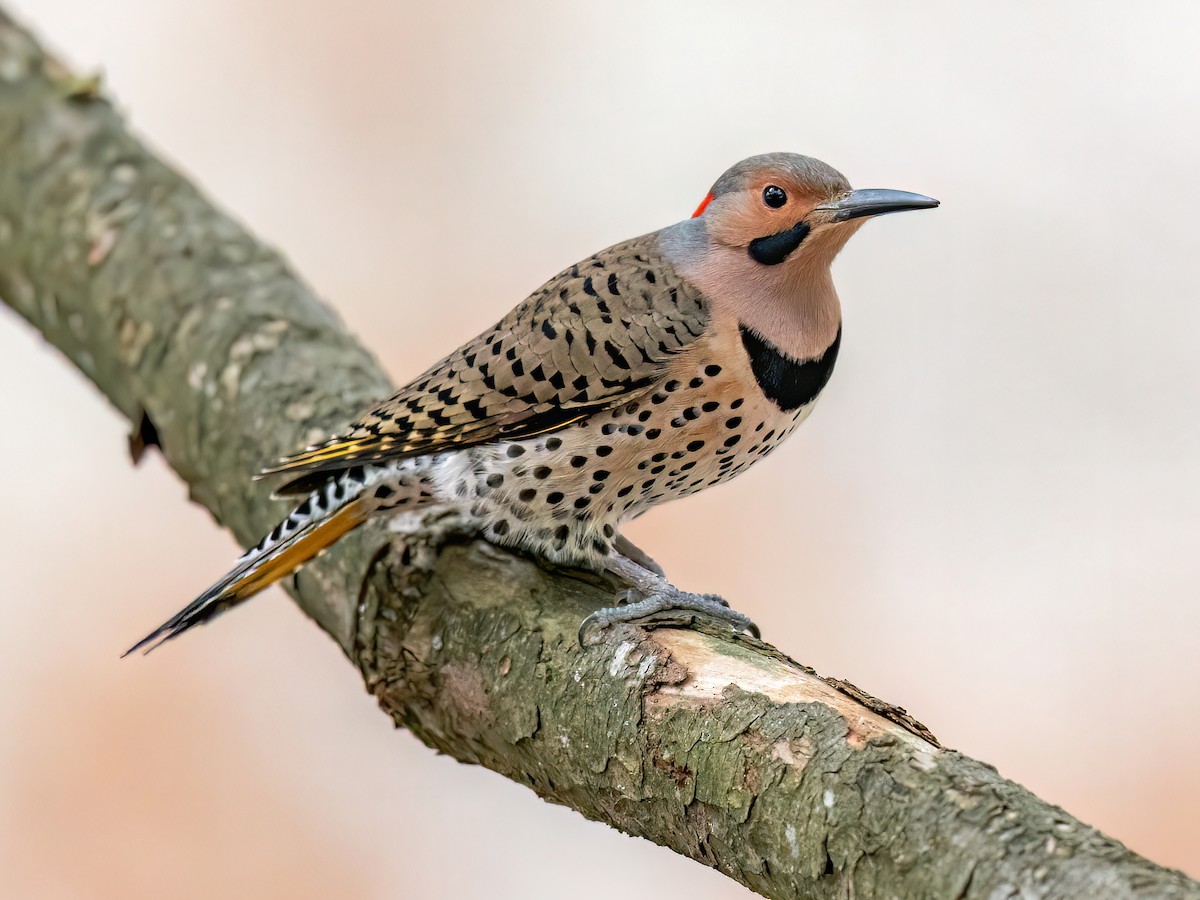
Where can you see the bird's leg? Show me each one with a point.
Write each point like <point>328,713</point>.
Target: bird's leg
<point>632,552</point>
<point>651,594</point>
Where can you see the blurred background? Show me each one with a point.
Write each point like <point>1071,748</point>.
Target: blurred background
<point>993,517</point>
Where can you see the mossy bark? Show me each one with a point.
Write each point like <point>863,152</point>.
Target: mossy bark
<point>720,748</point>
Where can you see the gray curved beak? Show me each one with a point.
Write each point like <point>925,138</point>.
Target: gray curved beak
<point>875,202</point>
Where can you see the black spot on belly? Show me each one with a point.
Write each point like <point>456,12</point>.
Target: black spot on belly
<point>787,382</point>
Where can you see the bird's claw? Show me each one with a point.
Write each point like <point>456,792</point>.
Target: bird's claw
<point>659,605</point>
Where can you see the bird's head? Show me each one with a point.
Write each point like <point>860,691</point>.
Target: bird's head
<point>786,209</point>
<point>761,244</point>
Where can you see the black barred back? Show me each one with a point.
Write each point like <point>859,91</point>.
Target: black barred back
<point>595,335</point>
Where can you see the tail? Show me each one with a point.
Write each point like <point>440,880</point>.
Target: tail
<point>337,508</point>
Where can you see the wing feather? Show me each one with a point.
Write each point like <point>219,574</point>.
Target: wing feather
<point>598,334</point>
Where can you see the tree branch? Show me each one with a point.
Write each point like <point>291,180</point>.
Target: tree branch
<point>720,748</point>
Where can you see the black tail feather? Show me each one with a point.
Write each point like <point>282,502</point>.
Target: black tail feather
<point>313,526</point>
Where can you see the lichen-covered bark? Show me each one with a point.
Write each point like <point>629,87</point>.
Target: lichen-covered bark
<point>722,749</point>
<point>166,303</point>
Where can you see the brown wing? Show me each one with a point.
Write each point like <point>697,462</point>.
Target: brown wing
<point>594,336</point>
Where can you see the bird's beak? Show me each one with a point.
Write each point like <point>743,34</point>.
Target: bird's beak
<point>874,202</point>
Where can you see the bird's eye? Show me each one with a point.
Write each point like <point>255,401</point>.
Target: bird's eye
<point>774,196</point>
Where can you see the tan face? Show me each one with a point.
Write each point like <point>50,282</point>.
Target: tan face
<point>777,216</point>
<point>771,201</point>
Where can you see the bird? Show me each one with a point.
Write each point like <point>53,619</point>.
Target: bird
<point>653,369</point>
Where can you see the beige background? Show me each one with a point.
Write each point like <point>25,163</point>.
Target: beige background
<point>992,518</point>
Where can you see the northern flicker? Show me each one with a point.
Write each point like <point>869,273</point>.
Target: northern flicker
<point>652,370</point>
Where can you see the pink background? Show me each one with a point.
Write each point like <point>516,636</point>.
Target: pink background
<point>993,517</point>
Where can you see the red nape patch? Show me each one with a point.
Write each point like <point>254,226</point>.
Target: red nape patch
<point>703,206</point>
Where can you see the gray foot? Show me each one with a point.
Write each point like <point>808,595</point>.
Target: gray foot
<point>633,552</point>
<point>662,601</point>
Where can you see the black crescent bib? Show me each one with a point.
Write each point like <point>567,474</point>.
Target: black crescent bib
<point>788,383</point>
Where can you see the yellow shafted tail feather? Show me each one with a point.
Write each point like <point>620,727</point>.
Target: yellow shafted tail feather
<point>260,570</point>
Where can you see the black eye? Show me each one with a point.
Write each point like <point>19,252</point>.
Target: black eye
<point>774,196</point>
